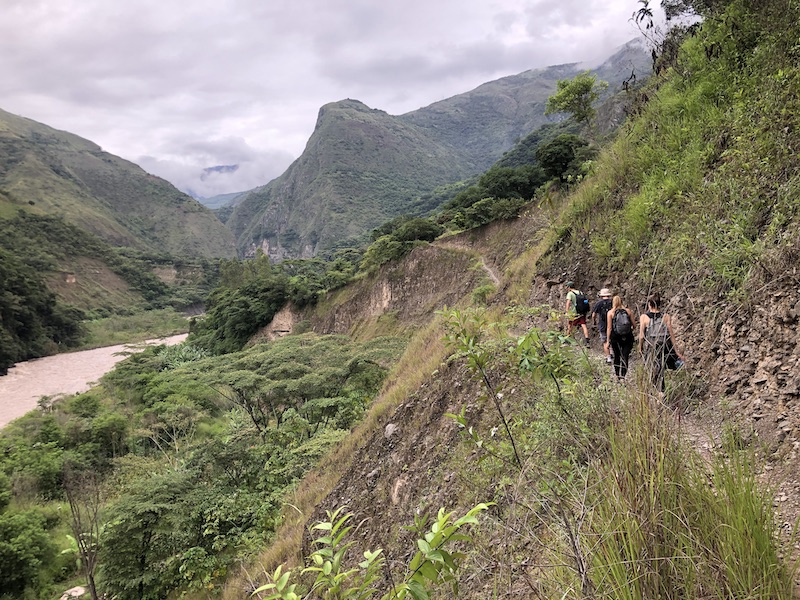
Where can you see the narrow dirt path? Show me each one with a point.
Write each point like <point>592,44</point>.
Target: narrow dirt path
<point>489,270</point>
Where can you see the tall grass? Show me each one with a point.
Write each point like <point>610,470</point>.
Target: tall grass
<point>667,524</point>
<point>611,499</point>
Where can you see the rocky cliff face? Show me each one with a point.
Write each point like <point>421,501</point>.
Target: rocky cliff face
<point>396,299</point>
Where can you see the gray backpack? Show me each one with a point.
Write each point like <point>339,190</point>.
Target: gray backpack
<point>657,335</point>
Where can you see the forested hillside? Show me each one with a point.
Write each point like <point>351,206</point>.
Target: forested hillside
<point>51,172</point>
<point>84,233</point>
<point>427,429</point>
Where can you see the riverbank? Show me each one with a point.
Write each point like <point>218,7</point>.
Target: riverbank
<point>62,374</point>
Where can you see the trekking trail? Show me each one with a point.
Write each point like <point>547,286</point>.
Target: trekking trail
<point>490,271</point>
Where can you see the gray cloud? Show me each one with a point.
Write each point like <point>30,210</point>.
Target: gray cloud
<point>180,87</point>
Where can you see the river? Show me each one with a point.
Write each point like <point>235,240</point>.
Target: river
<point>70,373</point>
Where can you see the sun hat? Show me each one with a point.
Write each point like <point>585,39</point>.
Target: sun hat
<point>570,284</point>
<point>605,292</point>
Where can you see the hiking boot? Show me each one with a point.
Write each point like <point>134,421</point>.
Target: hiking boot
<point>609,359</point>
<point>587,341</point>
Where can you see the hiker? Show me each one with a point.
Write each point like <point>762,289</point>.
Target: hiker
<point>599,314</point>
<point>657,342</point>
<point>619,332</point>
<point>576,309</point>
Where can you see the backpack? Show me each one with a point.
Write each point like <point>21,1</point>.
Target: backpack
<point>581,304</point>
<point>621,322</point>
<point>601,309</point>
<point>657,334</point>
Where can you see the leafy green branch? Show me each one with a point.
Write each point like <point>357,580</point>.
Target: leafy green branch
<point>464,332</point>
<point>432,565</point>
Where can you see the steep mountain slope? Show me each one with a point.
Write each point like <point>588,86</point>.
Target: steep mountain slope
<point>362,166</point>
<point>489,120</point>
<point>698,201</point>
<point>51,172</point>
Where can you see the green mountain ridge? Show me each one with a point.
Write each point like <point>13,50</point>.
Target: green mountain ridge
<point>362,166</point>
<point>46,171</point>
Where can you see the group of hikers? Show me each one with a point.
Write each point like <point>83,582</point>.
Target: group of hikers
<point>615,324</point>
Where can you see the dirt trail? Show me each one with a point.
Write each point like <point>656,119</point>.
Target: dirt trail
<point>490,271</point>
<point>62,374</point>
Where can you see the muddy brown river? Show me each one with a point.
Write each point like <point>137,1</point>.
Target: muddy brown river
<point>71,373</point>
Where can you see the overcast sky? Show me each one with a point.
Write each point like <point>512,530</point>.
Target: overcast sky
<point>180,86</point>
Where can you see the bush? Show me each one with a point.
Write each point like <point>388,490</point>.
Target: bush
<point>25,551</point>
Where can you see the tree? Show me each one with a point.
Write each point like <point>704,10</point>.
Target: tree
<point>576,97</point>
<point>418,229</point>
<point>147,530</point>
<point>556,157</point>
<point>84,494</point>
<point>25,550</point>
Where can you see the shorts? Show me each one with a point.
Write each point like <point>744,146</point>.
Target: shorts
<point>581,320</point>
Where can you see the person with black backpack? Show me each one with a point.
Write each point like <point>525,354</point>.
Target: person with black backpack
<point>599,314</point>
<point>657,342</point>
<point>576,309</point>
<point>619,332</point>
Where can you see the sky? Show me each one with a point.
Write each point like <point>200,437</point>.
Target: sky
<point>179,87</point>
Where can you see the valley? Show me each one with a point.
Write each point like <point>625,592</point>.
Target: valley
<point>397,412</point>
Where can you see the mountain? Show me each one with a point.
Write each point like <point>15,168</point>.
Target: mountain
<point>572,482</point>
<point>50,172</point>
<point>489,120</point>
<point>362,166</point>
<point>221,200</point>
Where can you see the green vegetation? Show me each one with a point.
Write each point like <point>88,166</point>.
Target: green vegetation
<point>32,323</point>
<point>708,169</point>
<point>251,292</point>
<point>626,508</point>
<point>363,167</point>
<point>42,313</point>
<point>194,454</point>
<point>577,97</point>
<point>432,567</point>
<point>44,171</point>
<point>592,488</point>
<point>111,331</point>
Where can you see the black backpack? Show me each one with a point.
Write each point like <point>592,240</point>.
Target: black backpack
<point>621,322</point>
<point>581,304</point>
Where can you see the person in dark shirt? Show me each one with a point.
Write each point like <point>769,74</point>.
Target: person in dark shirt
<point>619,324</point>
<point>657,342</point>
<point>599,312</point>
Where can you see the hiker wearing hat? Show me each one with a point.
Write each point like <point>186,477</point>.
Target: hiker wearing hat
<point>599,313</point>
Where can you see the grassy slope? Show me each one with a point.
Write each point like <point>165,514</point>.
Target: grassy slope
<point>702,185</point>
<point>699,192</point>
